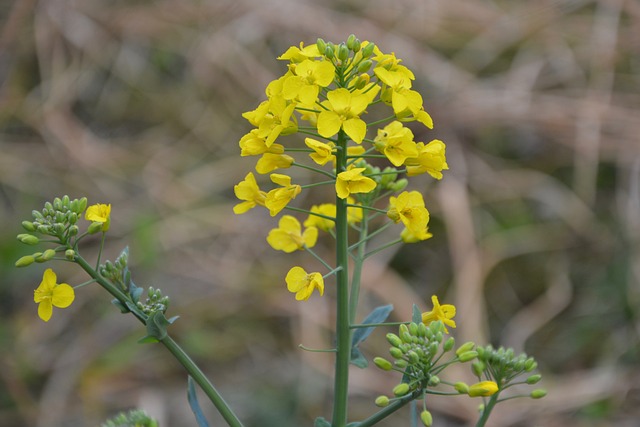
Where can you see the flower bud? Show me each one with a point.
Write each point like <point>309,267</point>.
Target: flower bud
<point>396,353</point>
<point>82,205</point>
<point>48,254</point>
<point>28,239</point>
<point>478,368</point>
<point>465,347</point>
<point>426,418</point>
<point>434,380</point>
<point>401,389</point>
<point>467,356</point>
<point>413,328</point>
<point>73,230</point>
<point>29,226</point>
<point>533,379</point>
<point>383,363</point>
<point>530,364</point>
<point>449,344</point>
<point>343,52</point>
<point>403,328</point>
<point>70,254</point>
<point>25,261</point>
<point>94,227</point>
<point>413,357</point>
<point>401,363</point>
<point>66,201</point>
<point>393,339</point>
<point>351,40</point>
<point>382,401</point>
<point>364,66</point>
<point>538,393</point>
<point>422,330</point>
<point>368,50</point>
<point>329,51</point>
<point>406,337</point>
<point>57,204</point>
<point>399,185</point>
<point>461,387</point>
<point>483,388</point>
<point>322,46</point>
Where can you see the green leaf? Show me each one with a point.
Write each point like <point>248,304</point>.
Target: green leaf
<point>321,422</point>
<point>121,307</point>
<point>358,359</point>
<point>157,326</point>
<point>194,404</point>
<point>378,315</point>
<point>417,314</point>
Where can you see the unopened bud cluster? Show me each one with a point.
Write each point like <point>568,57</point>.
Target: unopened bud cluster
<point>117,270</point>
<point>155,302</point>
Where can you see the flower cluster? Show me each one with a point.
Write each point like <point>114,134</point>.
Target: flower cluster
<point>325,94</point>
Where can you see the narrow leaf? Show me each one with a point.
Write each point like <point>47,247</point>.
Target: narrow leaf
<point>358,359</point>
<point>378,315</point>
<point>417,314</point>
<point>195,405</point>
<point>321,422</point>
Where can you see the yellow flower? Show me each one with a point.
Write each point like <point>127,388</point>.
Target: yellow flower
<point>270,162</point>
<point>324,224</point>
<point>409,208</point>
<point>431,158</point>
<point>408,237</point>
<point>252,145</point>
<point>288,237</point>
<point>99,213</point>
<point>273,118</point>
<point>248,191</point>
<point>343,109</point>
<point>303,284</point>
<point>309,77</point>
<point>50,294</point>
<point>295,54</point>
<point>352,181</point>
<point>483,388</point>
<point>279,198</point>
<point>443,313</point>
<point>396,142</point>
<point>322,152</point>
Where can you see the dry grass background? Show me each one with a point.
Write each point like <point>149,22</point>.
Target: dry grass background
<point>138,103</point>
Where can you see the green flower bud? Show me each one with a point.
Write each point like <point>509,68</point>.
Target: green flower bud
<point>28,239</point>
<point>393,339</point>
<point>478,368</point>
<point>465,347</point>
<point>439,337</point>
<point>434,381</point>
<point>406,337</point>
<point>47,207</point>
<point>48,254</point>
<point>401,389</point>
<point>37,215</point>
<point>365,66</point>
<point>533,379</point>
<point>402,328</point>
<point>530,364</point>
<point>413,328</point>
<point>368,50</point>
<point>356,46</point>
<point>382,401</point>
<point>461,387</point>
<point>422,330</point>
<point>426,418</point>
<point>73,230</point>
<point>399,185</point>
<point>65,201</point>
<point>44,229</point>
<point>383,363</point>
<point>25,261</point>
<point>467,356</point>
<point>449,344</point>
<point>401,363</point>
<point>396,353</point>
<point>433,348</point>
<point>343,52</point>
<point>29,226</point>
<point>483,388</point>
<point>538,393</point>
<point>329,51</point>
<point>322,46</point>
<point>72,217</point>
<point>38,257</point>
<point>57,204</point>
<point>413,357</point>
<point>82,205</point>
<point>94,227</point>
<point>70,254</point>
<point>58,228</point>
<point>351,40</point>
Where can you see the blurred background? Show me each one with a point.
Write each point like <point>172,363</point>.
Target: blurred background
<point>138,103</point>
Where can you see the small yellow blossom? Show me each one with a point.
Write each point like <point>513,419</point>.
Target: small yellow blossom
<point>322,152</point>
<point>303,284</point>
<point>431,158</point>
<point>409,208</point>
<point>252,144</point>
<point>324,224</point>
<point>352,181</point>
<point>288,237</point>
<point>295,54</point>
<point>279,198</point>
<point>483,388</point>
<point>99,213</point>
<point>309,76</point>
<point>273,118</point>
<point>50,294</point>
<point>396,142</point>
<point>445,313</point>
<point>270,162</point>
<point>248,191</point>
<point>343,110</point>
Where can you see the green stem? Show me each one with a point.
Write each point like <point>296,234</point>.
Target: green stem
<point>357,270</point>
<point>343,331</point>
<point>200,378</point>
<point>487,410</point>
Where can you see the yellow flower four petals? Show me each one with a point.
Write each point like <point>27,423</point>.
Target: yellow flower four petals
<point>431,159</point>
<point>444,313</point>
<point>303,284</point>
<point>279,198</point>
<point>352,181</point>
<point>343,109</point>
<point>288,237</point>
<point>51,294</point>
<point>396,142</point>
<point>248,191</point>
<point>322,152</point>
<point>409,208</point>
<point>99,213</point>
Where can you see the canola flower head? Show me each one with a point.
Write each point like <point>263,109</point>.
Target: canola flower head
<point>51,294</point>
<point>277,199</point>
<point>430,159</point>
<point>352,181</point>
<point>303,284</point>
<point>248,191</point>
<point>409,209</point>
<point>99,213</point>
<point>444,313</point>
<point>289,237</point>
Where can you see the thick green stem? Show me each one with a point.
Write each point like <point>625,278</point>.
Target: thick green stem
<point>343,330</point>
<point>357,270</point>
<point>487,410</point>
